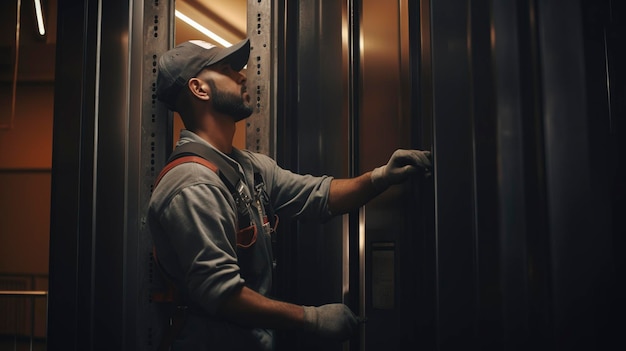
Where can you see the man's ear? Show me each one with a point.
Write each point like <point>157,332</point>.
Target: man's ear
<point>199,89</point>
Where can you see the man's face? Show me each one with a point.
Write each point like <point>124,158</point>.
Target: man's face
<point>228,91</point>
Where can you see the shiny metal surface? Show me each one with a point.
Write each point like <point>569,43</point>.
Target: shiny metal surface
<point>109,140</point>
<point>579,280</point>
<point>453,146</point>
<point>508,246</point>
<point>150,135</point>
<point>512,243</point>
<point>319,123</point>
<point>69,313</point>
<point>348,117</point>
<point>389,221</point>
<point>260,127</point>
<point>512,198</point>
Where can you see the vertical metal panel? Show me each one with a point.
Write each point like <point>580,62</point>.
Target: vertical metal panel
<point>111,118</point>
<point>519,235</point>
<point>485,151</point>
<point>512,200</point>
<point>260,133</point>
<point>69,310</point>
<point>284,285</point>
<point>614,34</point>
<point>454,174</point>
<point>605,31</point>
<point>150,138</point>
<point>578,281</point>
<point>317,119</point>
<point>536,222</point>
<point>109,140</point>
<point>423,260</point>
<point>355,231</point>
<point>391,225</point>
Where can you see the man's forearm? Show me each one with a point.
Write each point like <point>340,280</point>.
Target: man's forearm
<point>348,194</point>
<point>249,308</point>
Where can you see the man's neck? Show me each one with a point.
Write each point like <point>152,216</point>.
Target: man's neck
<point>219,133</point>
<point>217,140</point>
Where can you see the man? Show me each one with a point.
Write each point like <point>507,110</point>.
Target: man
<point>222,265</point>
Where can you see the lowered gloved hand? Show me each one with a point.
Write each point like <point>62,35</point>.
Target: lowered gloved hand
<point>333,321</point>
<point>401,165</point>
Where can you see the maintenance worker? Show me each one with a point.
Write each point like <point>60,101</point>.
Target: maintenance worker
<point>213,239</point>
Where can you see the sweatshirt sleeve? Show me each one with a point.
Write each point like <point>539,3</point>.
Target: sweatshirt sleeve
<point>203,239</point>
<point>300,196</point>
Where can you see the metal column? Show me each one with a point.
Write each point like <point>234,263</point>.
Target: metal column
<point>110,140</point>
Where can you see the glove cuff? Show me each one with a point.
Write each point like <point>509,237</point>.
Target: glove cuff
<point>378,178</point>
<point>310,319</point>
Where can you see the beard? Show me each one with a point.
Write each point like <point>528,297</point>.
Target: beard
<point>229,103</point>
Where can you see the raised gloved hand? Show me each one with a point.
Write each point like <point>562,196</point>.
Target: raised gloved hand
<point>333,321</point>
<point>401,165</point>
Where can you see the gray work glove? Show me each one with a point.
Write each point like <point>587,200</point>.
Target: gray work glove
<point>401,165</point>
<point>332,321</point>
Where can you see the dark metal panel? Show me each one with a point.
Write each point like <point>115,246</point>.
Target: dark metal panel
<point>111,118</point>
<point>149,145</point>
<point>485,151</point>
<point>566,177</point>
<point>260,133</point>
<point>521,253</point>
<point>614,148</point>
<point>454,175</point>
<point>424,246</point>
<point>578,265</point>
<point>69,304</point>
<point>512,201</point>
<point>317,129</point>
<point>391,221</point>
<point>536,221</point>
<point>110,139</point>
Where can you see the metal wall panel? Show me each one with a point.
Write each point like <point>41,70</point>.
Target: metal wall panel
<point>391,222</point>
<point>516,266</point>
<point>511,244</point>
<point>150,135</point>
<point>69,315</point>
<point>581,269</point>
<point>512,197</point>
<point>108,265</point>
<point>344,117</point>
<point>314,133</point>
<point>260,127</point>
<point>110,139</point>
<point>454,172</point>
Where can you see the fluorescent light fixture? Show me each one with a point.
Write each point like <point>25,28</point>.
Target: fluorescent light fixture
<point>202,30</point>
<point>39,13</point>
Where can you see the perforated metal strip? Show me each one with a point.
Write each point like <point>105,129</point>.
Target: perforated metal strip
<point>260,133</point>
<point>156,144</point>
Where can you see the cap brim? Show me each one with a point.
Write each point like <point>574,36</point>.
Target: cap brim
<point>237,55</point>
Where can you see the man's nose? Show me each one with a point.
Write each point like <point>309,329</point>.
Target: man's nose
<point>241,76</point>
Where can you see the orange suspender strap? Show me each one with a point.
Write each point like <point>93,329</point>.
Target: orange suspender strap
<point>245,236</point>
<point>185,159</point>
<point>177,321</point>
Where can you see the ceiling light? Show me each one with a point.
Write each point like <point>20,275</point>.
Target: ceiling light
<point>202,30</point>
<point>39,13</point>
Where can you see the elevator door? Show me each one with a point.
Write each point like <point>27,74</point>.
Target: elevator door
<point>347,108</point>
<point>392,223</point>
<point>513,242</point>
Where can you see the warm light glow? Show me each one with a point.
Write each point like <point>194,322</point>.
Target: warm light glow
<point>202,30</point>
<point>40,25</point>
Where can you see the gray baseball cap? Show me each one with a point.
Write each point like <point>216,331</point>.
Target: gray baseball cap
<point>184,61</point>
